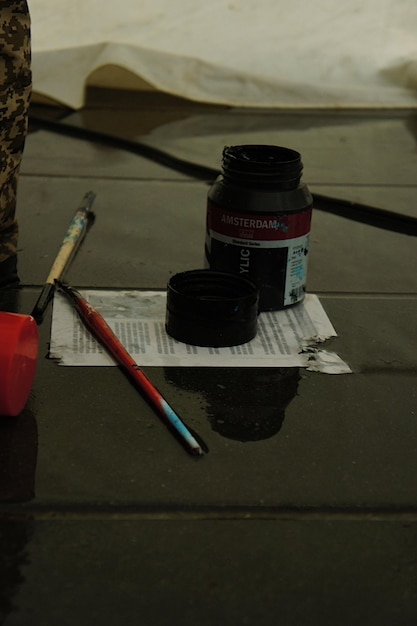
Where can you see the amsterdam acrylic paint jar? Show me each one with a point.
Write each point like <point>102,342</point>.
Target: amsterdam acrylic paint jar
<point>258,222</point>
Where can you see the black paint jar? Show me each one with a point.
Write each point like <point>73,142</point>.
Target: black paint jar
<point>258,222</point>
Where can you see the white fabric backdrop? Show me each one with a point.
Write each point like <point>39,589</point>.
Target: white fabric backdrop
<point>300,53</point>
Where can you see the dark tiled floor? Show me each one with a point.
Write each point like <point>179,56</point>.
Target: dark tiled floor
<point>310,520</point>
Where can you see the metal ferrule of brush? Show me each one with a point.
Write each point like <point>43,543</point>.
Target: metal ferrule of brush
<point>72,293</point>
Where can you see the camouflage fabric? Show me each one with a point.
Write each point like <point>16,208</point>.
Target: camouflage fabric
<point>15,89</point>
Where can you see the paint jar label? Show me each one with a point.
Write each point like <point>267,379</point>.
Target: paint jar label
<point>269,249</point>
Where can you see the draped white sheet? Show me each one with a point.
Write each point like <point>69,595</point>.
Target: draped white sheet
<point>262,53</point>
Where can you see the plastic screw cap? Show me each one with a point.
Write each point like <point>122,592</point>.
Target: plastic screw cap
<point>19,344</point>
<point>210,308</point>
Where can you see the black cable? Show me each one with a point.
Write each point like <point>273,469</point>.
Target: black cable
<point>373,216</point>
<point>200,172</point>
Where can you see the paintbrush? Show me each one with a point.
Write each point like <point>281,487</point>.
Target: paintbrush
<point>99,328</point>
<point>76,231</point>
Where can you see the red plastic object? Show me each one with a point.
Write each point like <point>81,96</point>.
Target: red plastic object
<point>18,358</point>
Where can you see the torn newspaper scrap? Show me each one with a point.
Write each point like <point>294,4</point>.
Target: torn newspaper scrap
<point>286,338</point>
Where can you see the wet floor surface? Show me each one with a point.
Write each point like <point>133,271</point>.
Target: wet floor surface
<point>305,509</point>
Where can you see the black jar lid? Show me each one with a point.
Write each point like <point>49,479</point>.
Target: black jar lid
<point>211,308</point>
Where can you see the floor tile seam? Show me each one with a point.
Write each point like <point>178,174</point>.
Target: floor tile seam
<point>121,179</point>
<point>185,178</point>
<point>402,515</point>
<point>356,112</point>
<point>365,295</point>
<point>384,113</point>
<point>384,370</point>
<point>323,295</point>
<point>368,185</point>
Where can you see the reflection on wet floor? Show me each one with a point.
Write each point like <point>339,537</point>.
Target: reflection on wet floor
<point>15,536</point>
<point>18,456</point>
<point>256,414</point>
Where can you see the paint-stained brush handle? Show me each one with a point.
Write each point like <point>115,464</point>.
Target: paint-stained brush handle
<point>99,328</point>
<point>76,231</point>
